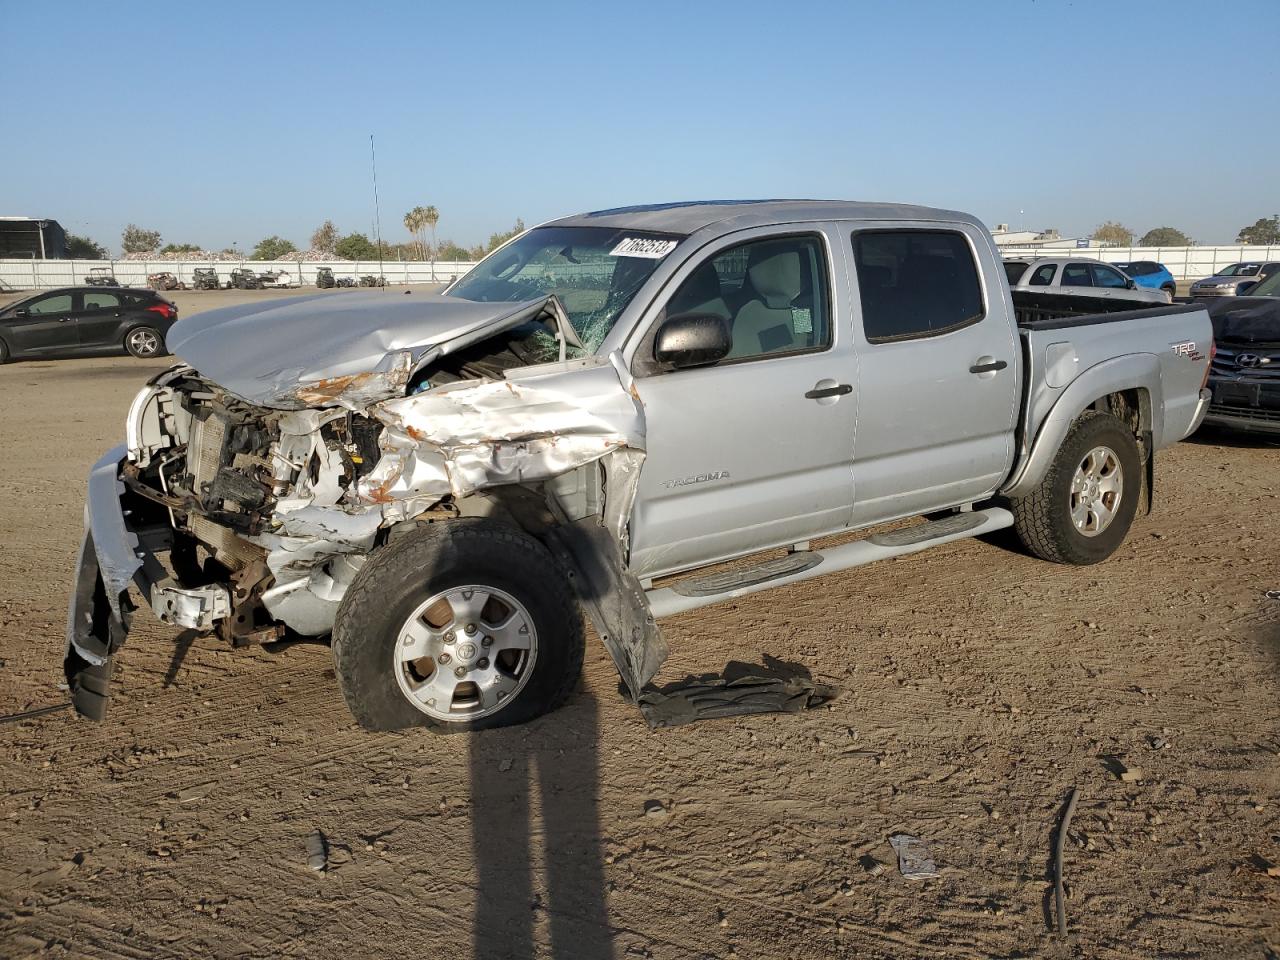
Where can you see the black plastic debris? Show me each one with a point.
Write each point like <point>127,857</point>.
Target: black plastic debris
<point>742,688</point>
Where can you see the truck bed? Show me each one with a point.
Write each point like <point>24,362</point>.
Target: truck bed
<point>1065,337</point>
<point>1056,311</point>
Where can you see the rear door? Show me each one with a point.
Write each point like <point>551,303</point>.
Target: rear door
<point>1076,275</point>
<point>754,451</point>
<point>99,317</point>
<point>938,370</point>
<point>47,327</point>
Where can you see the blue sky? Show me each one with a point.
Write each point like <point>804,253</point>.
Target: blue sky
<point>224,124</point>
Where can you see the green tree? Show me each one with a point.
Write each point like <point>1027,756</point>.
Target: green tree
<point>356,246</point>
<point>82,248</point>
<point>1265,231</point>
<point>1112,234</point>
<point>498,239</point>
<point>134,239</point>
<point>180,248</point>
<point>272,248</point>
<point>1165,237</point>
<point>448,250</point>
<point>325,238</point>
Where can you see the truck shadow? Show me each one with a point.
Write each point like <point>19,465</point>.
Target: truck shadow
<point>511,769</point>
<point>1214,436</point>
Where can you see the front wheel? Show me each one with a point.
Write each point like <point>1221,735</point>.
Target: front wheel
<point>144,343</point>
<point>1083,508</point>
<point>461,625</point>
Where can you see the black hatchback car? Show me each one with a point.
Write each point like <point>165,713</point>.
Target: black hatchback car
<point>81,321</point>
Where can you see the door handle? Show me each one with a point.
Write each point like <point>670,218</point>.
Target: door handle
<point>988,366</point>
<point>839,390</point>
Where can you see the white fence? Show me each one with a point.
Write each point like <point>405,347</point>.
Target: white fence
<point>47,274</point>
<point>1185,263</point>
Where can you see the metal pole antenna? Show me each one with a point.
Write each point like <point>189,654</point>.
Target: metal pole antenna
<point>377,214</point>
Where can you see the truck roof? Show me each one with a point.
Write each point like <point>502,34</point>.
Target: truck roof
<point>727,215</point>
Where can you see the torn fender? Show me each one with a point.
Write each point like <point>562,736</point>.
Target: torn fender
<point>539,423</point>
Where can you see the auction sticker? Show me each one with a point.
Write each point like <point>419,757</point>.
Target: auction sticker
<point>648,247</point>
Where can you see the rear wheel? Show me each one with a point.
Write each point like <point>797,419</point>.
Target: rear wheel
<point>1083,508</point>
<point>463,625</point>
<point>144,343</point>
<point>4,352</point>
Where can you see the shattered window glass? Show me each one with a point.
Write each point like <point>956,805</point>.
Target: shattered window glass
<point>594,271</point>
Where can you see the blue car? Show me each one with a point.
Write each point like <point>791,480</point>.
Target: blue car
<point>1148,273</point>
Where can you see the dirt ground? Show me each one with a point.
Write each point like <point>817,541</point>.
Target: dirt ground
<point>980,686</point>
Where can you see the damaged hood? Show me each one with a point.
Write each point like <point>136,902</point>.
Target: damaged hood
<point>1246,320</point>
<point>345,349</point>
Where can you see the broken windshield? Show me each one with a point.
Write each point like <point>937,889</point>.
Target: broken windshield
<point>594,271</point>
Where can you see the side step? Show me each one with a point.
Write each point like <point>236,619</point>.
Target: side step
<point>805,565</point>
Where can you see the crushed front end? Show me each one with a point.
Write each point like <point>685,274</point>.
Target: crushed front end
<point>247,514</point>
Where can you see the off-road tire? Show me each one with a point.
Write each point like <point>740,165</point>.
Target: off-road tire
<point>432,558</point>
<point>1042,518</point>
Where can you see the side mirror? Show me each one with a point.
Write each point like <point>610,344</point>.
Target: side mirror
<point>692,340</point>
<point>1131,284</point>
<point>1244,288</point>
<point>22,312</point>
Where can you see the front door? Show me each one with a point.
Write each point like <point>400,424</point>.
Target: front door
<point>753,451</point>
<point>48,325</point>
<point>939,365</point>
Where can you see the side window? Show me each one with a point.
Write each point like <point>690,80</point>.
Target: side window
<point>773,293</point>
<point>59,303</point>
<point>1076,275</point>
<point>915,283</point>
<point>1043,276</point>
<point>1106,277</point>
<point>101,301</point>
<point>1270,268</point>
<point>1014,269</point>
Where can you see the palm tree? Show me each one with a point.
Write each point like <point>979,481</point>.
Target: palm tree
<point>413,223</point>
<point>430,217</point>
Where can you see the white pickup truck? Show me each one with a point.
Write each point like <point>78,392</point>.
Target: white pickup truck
<point>600,411</point>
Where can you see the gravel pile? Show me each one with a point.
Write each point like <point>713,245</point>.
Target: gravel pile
<point>222,256</point>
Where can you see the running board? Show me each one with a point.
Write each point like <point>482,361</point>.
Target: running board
<point>806,564</point>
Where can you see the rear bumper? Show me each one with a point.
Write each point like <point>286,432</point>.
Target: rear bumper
<point>1202,410</point>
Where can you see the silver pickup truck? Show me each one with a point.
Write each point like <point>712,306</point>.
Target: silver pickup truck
<point>595,417</point>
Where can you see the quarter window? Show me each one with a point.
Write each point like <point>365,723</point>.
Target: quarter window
<point>773,294</point>
<point>915,283</point>
<point>59,303</point>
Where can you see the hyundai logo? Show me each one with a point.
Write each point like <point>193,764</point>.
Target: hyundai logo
<point>1249,360</point>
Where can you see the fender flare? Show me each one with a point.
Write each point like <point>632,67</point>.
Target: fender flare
<point>1140,371</point>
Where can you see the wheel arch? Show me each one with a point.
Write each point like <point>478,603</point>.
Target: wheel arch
<point>1127,386</point>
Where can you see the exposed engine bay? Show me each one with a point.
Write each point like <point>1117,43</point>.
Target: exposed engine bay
<point>254,517</point>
